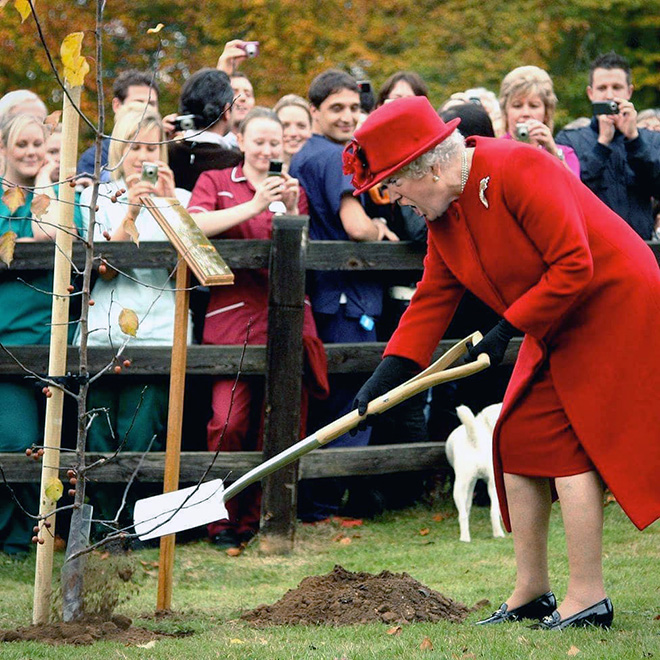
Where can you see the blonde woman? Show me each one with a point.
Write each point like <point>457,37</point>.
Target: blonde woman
<point>25,317</point>
<point>528,104</point>
<point>134,416</point>
<point>294,113</point>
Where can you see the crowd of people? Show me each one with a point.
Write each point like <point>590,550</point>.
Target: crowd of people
<point>235,164</point>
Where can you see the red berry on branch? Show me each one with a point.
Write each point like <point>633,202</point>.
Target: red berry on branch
<point>35,539</point>
<point>28,452</point>
<point>117,369</point>
<point>106,235</point>
<point>91,303</point>
<point>41,541</point>
<point>72,492</point>
<point>127,363</point>
<point>103,269</point>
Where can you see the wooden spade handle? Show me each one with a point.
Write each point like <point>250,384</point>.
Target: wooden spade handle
<point>419,383</point>
<point>433,375</point>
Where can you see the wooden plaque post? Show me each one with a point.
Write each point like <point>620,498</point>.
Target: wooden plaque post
<point>197,253</point>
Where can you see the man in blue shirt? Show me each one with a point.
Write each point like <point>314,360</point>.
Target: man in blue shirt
<point>346,305</point>
<point>618,161</point>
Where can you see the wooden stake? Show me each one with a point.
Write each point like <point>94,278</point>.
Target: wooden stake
<point>57,356</point>
<point>174,424</point>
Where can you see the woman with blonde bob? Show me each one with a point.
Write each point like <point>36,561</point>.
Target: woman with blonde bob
<point>513,226</point>
<point>294,113</point>
<point>528,104</point>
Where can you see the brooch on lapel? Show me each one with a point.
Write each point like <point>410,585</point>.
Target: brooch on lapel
<point>483,184</point>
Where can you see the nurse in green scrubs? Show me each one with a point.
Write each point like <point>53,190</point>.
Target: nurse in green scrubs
<point>25,314</point>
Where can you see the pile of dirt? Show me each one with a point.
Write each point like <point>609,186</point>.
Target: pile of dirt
<point>118,628</point>
<point>342,598</point>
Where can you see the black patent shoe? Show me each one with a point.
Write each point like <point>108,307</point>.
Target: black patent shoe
<point>536,609</point>
<point>599,615</point>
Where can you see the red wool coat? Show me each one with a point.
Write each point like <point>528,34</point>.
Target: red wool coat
<point>532,242</point>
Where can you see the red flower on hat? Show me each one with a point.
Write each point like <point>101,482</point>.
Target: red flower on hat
<point>355,163</point>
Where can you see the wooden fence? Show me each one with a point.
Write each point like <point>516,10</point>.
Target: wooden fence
<point>224,360</point>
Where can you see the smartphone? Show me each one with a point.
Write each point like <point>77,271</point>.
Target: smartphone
<point>275,168</point>
<point>605,107</point>
<point>522,133</point>
<point>251,48</point>
<point>150,173</point>
<point>365,86</point>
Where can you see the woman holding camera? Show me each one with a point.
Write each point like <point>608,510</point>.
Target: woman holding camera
<point>238,203</point>
<point>135,415</point>
<point>528,104</point>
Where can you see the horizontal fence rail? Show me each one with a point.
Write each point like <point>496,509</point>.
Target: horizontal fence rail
<point>229,466</point>
<point>321,255</point>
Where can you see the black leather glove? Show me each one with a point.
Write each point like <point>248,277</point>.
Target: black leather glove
<point>494,344</point>
<point>392,371</point>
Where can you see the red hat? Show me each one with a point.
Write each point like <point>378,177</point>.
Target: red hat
<point>393,136</point>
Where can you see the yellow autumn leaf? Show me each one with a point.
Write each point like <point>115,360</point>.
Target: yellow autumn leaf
<point>7,245</point>
<point>426,645</point>
<point>13,197</point>
<point>53,119</point>
<point>23,8</point>
<point>574,650</point>
<point>235,640</point>
<point>76,66</point>
<point>147,645</point>
<point>128,225</point>
<point>40,205</point>
<point>54,489</point>
<point>155,30</point>
<point>128,322</point>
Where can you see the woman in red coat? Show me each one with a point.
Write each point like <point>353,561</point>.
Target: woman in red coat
<point>512,225</point>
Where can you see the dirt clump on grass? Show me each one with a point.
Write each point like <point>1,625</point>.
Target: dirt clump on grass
<point>118,629</point>
<point>343,598</point>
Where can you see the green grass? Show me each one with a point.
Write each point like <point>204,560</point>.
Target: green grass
<point>211,590</point>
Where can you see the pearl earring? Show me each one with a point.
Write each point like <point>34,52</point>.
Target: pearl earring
<point>436,178</point>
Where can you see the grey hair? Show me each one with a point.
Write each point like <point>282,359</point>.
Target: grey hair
<point>441,154</point>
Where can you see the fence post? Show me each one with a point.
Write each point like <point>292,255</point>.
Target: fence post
<point>284,364</point>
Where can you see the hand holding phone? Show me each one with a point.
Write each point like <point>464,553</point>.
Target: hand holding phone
<point>605,107</point>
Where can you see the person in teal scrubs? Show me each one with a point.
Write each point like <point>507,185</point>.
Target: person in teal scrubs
<point>25,314</point>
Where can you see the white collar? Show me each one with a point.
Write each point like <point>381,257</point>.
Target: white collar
<point>205,136</point>
<point>235,177</point>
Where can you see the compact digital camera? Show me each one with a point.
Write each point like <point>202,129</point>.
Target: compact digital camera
<point>522,133</point>
<point>605,107</point>
<point>184,123</point>
<point>275,168</point>
<point>150,173</point>
<point>365,86</point>
<point>251,48</point>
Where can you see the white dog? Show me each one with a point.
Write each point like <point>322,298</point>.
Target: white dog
<point>470,452</point>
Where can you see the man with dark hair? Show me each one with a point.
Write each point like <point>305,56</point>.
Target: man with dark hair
<point>129,87</point>
<point>243,102</point>
<point>207,96</point>
<point>618,161</point>
<point>345,304</point>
